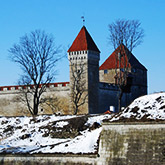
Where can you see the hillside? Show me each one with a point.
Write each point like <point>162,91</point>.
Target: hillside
<point>146,108</point>
<point>72,134</point>
<point>51,134</point>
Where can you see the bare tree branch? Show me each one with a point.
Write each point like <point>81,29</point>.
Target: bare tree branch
<point>37,55</point>
<point>78,84</point>
<point>128,33</point>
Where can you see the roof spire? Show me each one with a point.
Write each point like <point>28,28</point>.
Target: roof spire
<point>83,41</point>
<point>83,19</point>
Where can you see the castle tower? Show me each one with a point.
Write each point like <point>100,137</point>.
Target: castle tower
<point>84,59</point>
<point>136,81</point>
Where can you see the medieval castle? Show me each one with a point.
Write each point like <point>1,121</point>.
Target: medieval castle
<point>99,82</point>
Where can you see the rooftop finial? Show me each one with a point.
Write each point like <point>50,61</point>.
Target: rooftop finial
<point>83,19</point>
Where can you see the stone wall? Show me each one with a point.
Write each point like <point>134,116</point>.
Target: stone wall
<point>107,76</point>
<point>78,71</point>
<point>139,76</point>
<point>132,144</point>
<point>136,87</point>
<point>11,105</point>
<point>109,93</point>
<point>48,159</point>
<point>119,144</point>
<point>86,65</point>
<point>108,96</point>
<point>93,86</point>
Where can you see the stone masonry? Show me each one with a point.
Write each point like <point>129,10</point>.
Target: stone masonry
<point>132,144</point>
<point>119,144</point>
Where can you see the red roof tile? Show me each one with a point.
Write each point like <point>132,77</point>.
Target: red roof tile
<point>127,57</point>
<point>83,41</point>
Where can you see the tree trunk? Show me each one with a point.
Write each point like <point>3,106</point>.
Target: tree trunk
<point>76,110</point>
<point>119,99</point>
<point>35,105</point>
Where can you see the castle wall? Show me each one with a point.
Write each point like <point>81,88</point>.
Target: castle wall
<point>109,93</point>
<point>134,92</point>
<point>138,76</point>
<point>11,104</point>
<point>108,96</point>
<point>136,87</point>
<point>107,76</point>
<point>132,143</point>
<point>119,144</point>
<point>93,81</point>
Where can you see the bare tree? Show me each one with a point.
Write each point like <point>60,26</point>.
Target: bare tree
<point>127,32</point>
<point>37,55</point>
<point>124,33</point>
<point>122,70</point>
<point>57,104</point>
<point>52,102</point>
<point>79,90</point>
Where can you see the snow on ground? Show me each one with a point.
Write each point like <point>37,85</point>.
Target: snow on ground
<point>51,134</point>
<point>85,143</point>
<point>61,124</point>
<point>146,108</point>
<point>71,134</point>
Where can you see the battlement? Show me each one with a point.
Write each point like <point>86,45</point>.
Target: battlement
<point>108,86</point>
<point>19,87</point>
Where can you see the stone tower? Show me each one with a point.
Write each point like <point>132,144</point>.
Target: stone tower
<point>84,59</point>
<point>136,81</point>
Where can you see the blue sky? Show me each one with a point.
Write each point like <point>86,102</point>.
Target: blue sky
<point>62,18</point>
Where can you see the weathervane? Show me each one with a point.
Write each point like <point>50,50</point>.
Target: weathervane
<point>83,19</point>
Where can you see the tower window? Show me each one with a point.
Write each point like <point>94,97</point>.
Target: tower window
<point>105,71</point>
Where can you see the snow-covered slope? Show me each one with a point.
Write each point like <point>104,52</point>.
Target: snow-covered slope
<point>71,134</point>
<point>145,108</point>
<point>50,134</point>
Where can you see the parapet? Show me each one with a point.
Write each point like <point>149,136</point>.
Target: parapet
<point>16,88</point>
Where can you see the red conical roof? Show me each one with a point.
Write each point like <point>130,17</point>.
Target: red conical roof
<point>83,41</point>
<point>126,58</point>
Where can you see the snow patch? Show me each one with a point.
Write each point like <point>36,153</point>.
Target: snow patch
<point>145,108</point>
<point>39,134</point>
<point>61,124</point>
